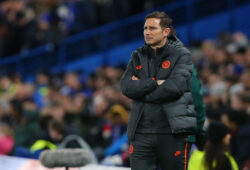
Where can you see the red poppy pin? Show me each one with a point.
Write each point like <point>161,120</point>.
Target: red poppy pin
<point>131,149</point>
<point>166,64</point>
<point>138,67</point>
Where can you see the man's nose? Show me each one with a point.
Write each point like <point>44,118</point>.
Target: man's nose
<point>147,32</point>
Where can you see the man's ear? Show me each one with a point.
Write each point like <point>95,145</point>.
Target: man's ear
<point>166,31</point>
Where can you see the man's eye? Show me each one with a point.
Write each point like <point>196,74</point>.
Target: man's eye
<point>150,28</point>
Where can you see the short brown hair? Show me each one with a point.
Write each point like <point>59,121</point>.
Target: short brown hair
<point>165,20</point>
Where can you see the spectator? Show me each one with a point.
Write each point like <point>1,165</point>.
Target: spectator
<point>216,154</point>
<point>6,139</point>
<point>238,123</point>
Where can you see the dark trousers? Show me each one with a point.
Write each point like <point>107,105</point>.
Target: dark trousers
<point>164,151</point>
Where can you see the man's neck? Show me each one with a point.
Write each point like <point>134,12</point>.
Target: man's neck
<point>160,45</point>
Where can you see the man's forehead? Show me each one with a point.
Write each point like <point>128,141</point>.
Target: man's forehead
<point>152,21</point>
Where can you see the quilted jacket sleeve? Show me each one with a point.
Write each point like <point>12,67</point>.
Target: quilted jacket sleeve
<point>134,89</point>
<point>175,85</point>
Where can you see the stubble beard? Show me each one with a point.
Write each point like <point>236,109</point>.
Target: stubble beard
<point>155,44</point>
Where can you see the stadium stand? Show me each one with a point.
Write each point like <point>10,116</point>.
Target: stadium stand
<point>68,82</point>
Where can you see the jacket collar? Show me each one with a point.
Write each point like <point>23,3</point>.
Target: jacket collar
<point>159,51</point>
<point>164,51</point>
<point>167,51</point>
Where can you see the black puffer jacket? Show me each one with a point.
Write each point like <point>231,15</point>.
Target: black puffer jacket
<point>174,95</point>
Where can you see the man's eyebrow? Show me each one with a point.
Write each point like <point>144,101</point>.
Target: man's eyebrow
<point>149,27</point>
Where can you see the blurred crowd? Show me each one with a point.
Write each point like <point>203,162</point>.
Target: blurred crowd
<point>54,107</point>
<point>39,114</point>
<point>29,23</point>
<point>224,70</point>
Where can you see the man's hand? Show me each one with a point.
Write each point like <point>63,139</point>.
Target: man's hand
<point>134,78</point>
<point>159,82</point>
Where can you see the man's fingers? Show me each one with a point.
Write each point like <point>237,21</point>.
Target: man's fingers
<point>159,82</point>
<point>134,78</point>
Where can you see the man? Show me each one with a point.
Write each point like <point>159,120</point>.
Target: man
<point>157,79</point>
<point>200,109</point>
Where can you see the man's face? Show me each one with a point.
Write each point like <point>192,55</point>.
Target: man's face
<point>154,35</point>
<point>55,135</point>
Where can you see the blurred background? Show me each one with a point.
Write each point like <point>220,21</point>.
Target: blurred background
<point>61,62</point>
